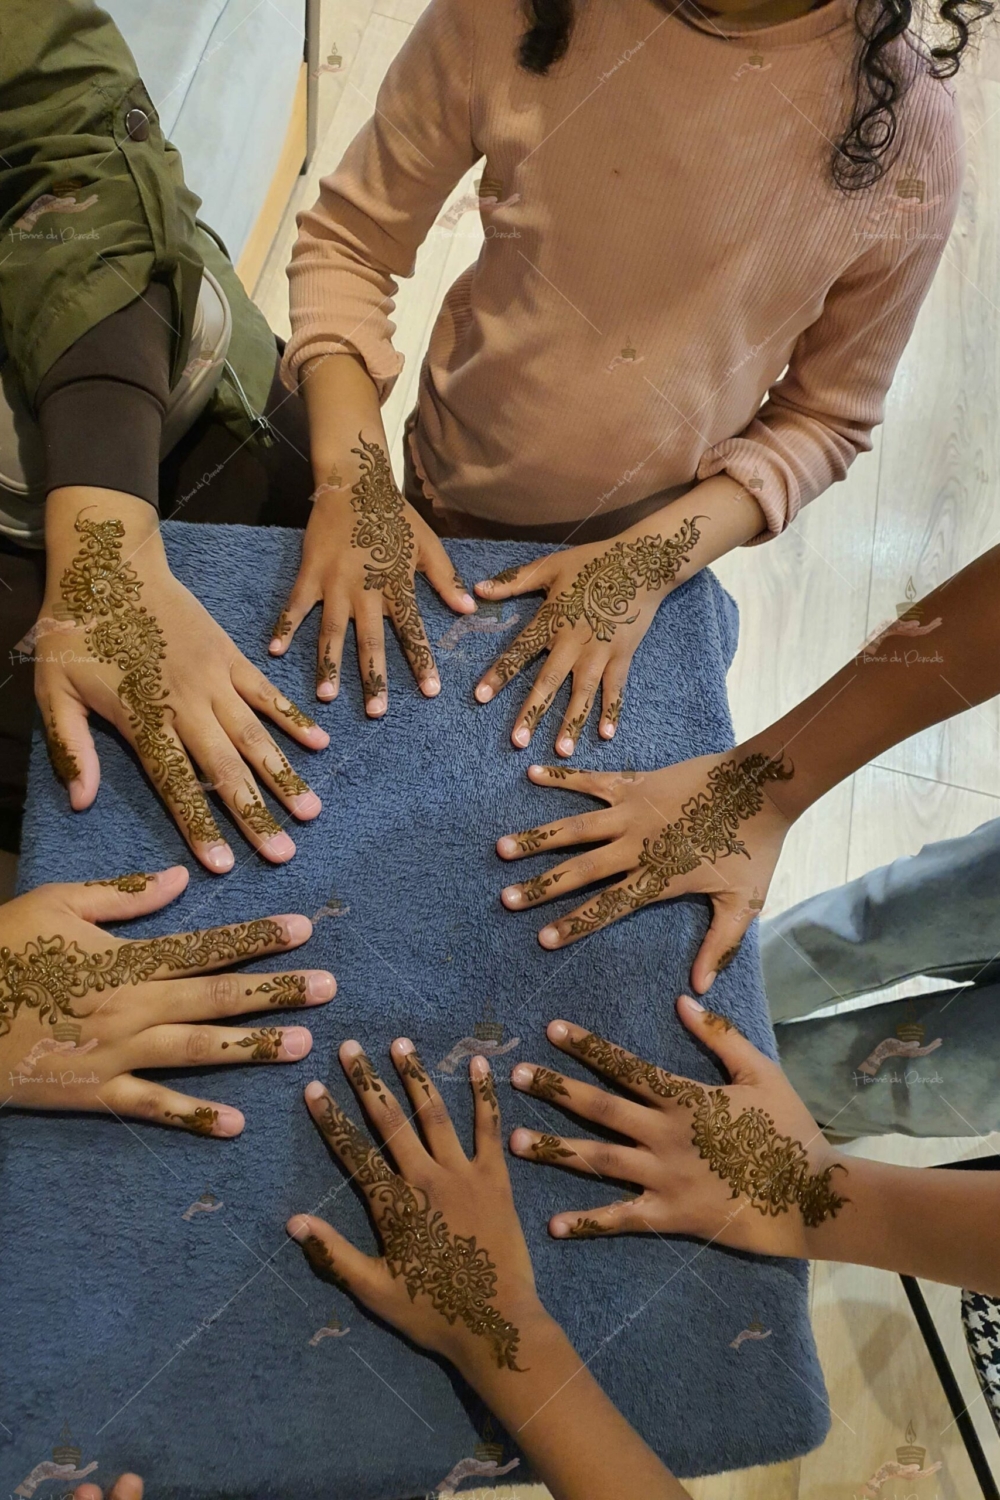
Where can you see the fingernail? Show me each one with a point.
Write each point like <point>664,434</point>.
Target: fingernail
<point>278,846</point>
<point>468,600</point>
<point>521,1140</point>
<point>297,928</point>
<point>479,1067</point>
<point>314,1091</point>
<point>549,937</point>
<point>301,1231</point>
<point>324,690</point>
<point>510,895</point>
<point>376,707</point>
<point>522,1075</point>
<point>219,857</point>
<point>564,745</point>
<point>275,645</point>
<point>230,1121</point>
<point>506,845</point>
<point>352,1049</point>
<point>317,738</point>
<point>608,731</point>
<point>558,1031</point>
<point>483,693</point>
<point>559,1228</point>
<point>711,978</point>
<point>296,1041</point>
<point>321,987</point>
<point>486,583</point>
<point>696,1004</point>
<point>431,686</point>
<point>306,805</point>
<point>521,736</point>
<point>404,1045</point>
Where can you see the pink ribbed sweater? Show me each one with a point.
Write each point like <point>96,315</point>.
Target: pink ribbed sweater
<point>667,239</point>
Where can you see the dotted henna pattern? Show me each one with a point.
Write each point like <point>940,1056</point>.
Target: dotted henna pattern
<point>285,778</point>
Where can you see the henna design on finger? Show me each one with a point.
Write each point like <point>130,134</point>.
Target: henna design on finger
<point>562,773</point>
<point>383,531</point>
<point>282,990</point>
<point>613,712</point>
<point>255,814</point>
<point>102,592</point>
<point>533,717</point>
<point>549,1149</point>
<point>728,957</point>
<point>374,684</point>
<point>533,839</point>
<point>327,669</point>
<point>535,888</point>
<point>587,1229</point>
<point>454,1272</point>
<point>488,1093</point>
<point>64,763</point>
<point>131,885</point>
<point>574,727</point>
<point>286,778</point>
<point>322,1262</point>
<point>456,583</point>
<point>546,1084</point>
<point>602,593</point>
<point>294,714</point>
<point>412,1067</point>
<point>365,1079</point>
<point>200,1122</point>
<point>706,829</point>
<point>49,974</point>
<point>770,1170</point>
<point>282,625</point>
<point>266,1044</point>
<point>715,1022</point>
<point>506,575</point>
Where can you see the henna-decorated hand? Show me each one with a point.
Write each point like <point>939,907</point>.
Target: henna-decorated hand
<point>120,635</point>
<point>601,600</point>
<point>128,1487</point>
<point>363,546</point>
<point>455,1273</point>
<point>80,1010</point>
<point>709,824</point>
<point>744,1165</point>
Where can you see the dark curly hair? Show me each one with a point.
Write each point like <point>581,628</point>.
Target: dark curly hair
<point>859,157</point>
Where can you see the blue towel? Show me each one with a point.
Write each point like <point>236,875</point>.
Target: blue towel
<point>151,1299</point>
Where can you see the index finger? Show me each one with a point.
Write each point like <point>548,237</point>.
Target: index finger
<point>352,1148</point>
<point>583,1099</point>
<point>180,953</point>
<point>623,1067</point>
<point>532,641</point>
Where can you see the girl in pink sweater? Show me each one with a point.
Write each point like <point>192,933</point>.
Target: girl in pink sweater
<point>707,237</point>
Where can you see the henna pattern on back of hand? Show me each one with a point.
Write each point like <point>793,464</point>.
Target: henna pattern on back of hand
<point>602,592</point>
<point>706,829</point>
<point>383,531</point>
<point>102,592</point>
<point>452,1270</point>
<point>49,974</point>
<point>770,1170</point>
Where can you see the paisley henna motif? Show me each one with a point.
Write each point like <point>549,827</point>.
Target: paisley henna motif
<point>770,1170</point>
<point>383,531</point>
<point>102,592</point>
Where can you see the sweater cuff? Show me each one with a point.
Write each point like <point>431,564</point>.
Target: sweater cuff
<point>103,433</point>
<point>753,466</point>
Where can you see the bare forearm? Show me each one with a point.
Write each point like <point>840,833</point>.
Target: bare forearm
<point>341,401</point>
<point>725,516</point>
<point>918,1221</point>
<point>582,1447</point>
<point>906,684</point>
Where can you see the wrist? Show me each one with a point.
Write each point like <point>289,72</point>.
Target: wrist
<point>65,507</point>
<point>538,1335</point>
<point>785,800</point>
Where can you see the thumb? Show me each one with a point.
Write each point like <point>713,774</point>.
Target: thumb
<point>334,1258</point>
<point>529,578</point>
<point>721,944</point>
<point>442,575</point>
<point>740,1058</point>
<point>71,747</point>
<point>119,897</point>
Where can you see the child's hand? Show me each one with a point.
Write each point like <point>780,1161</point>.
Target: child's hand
<point>81,1011</point>
<point>674,831</point>
<point>600,602</point>
<point>454,1274</point>
<point>362,548</point>
<point>744,1165</point>
<point>128,1487</point>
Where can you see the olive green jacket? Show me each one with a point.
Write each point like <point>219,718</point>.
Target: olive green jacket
<point>67,84</point>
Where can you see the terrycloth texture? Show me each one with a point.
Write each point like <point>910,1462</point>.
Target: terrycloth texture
<point>662,237</point>
<point>185,1347</point>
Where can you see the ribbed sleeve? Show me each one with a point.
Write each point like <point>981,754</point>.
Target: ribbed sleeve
<point>375,210</point>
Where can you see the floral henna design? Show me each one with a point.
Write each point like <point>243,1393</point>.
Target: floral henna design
<point>49,974</point>
<point>533,717</point>
<point>548,1085</point>
<point>102,592</point>
<point>412,1067</point>
<point>266,1044</point>
<point>770,1170</point>
<point>282,626</point>
<point>365,1079</point>
<point>705,830</point>
<point>587,1229</point>
<point>488,1093</point>
<point>533,839</point>
<point>327,669</point>
<point>130,884</point>
<point>283,990</point>
<point>727,957</point>
<point>715,1022</point>
<point>563,773</point>
<point>384,532</point>
<point>374,684</point>
<point>602,593</point>
<point>549,1149</point>
<point>535,888</point>
<point>200,1122</point>
<point>254,813</point>
<point>64,763</point>
<point>294,714</point>
<point>613,712</point>
<point>286,778</point>
<point>322,1262</point>
<point>452,1270</point>
<point>574,727</point>
<point>506,575</point>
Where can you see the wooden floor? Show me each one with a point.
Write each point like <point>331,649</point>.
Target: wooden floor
<point>920,506</point>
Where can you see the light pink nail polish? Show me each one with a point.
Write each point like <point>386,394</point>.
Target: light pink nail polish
<point>521,736</point>
<point>279,846</point>
<point>296,1041</point>
<point>219,857</point>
